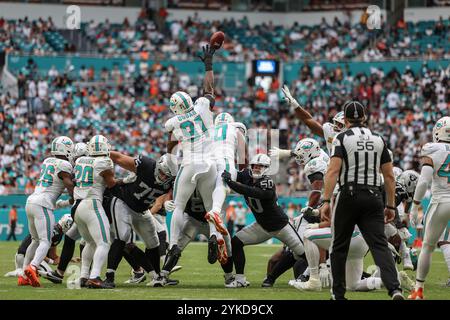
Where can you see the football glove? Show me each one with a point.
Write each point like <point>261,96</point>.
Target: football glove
<point>414,215</point>
<point>169,205</point>
<point>279,153</point>
<point>404,233</point>
<point>324,275</point>
<point>289,98</point>
<point>131,177</point>
<point>226,176</point>
<point>207,57</point>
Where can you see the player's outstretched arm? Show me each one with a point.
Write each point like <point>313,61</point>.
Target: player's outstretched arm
<point>207,58</point>
<point>123,161</point>
<point>302,114</point>
<point>108,176</point>
<point>245,190</point>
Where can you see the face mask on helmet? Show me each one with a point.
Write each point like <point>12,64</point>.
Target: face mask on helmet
<point>441,130</point>
<point>306,150</point>
<point>65,222</point>
<point>338,122</point>
<point>180,103</point>
<point>259,165</point>
<point>62,146</point>
<point>163,174</point>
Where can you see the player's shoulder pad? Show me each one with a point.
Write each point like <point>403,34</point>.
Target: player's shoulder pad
<point>64,166</point>
<point>266,183</point>
<point>429,148</point>
<point>103,164</point>
<point>316,165</point>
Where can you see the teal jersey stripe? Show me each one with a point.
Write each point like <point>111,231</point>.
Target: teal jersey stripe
<point>176,183</point>
<point>97,148</point>
<point>47,222</point>
<point>186,104</point>
<point>102,227</point>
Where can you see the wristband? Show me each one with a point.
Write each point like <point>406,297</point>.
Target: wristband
<point>391,208</point>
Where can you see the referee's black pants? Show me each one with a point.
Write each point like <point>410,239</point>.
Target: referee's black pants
<point>365,209</point>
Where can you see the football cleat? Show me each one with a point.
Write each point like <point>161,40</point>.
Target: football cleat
<point>13,274</point>
<point>267,283</point>
<point>109,282</point>
<point>212,249</point>
<point>222,254</point>
<point>157,282</point>
<point>397,295</point>
<point>175,269</point>
<point>238,284</point>
<point>416,294</point>
<point>228,278</point>
<point>214,218</point>
<point>98,283</point>
<point>80,282</point>
<point>405,282</point>
<point>32,275</point>
<point>22,281</point>
<point>136,277</point>
<point>311,285</point>
<point>408,265</point>
<point>54,277</point>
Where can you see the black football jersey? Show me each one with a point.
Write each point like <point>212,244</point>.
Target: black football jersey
<point>142,193</point>
<point>262,198</point>
<point>195,207</point>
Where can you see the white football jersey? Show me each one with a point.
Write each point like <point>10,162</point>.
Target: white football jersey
<point>318,164</point>
<point>194,130</point>
<point>440,154</point>
<point>300,225</point>
<point>49,186</point>
<point>225,142</point>
<point>328,135</point>
<point>89,184</point>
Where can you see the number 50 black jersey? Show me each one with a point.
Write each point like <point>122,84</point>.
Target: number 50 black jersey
<point>260,195</point>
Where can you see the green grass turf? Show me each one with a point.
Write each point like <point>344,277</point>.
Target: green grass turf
<point>200,280</point>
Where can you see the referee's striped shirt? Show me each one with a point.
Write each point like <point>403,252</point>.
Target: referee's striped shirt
<point>362,153</point>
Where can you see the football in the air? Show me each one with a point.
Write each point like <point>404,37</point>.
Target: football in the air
<point>217,39</point>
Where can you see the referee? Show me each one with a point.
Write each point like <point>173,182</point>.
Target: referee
<point>357,158</point>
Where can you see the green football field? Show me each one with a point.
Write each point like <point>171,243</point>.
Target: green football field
<point>200,280</point>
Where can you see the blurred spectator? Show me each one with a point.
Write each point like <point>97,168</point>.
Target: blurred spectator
<point>230,217</point>
<point>12,223</point>
<point>241,216</point>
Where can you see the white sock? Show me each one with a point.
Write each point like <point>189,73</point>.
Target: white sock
<point>41,252</point>
<point>404,251</point>
<point>228,275</point>
<point>19,258</point>
<point>218,196</point>
<point>446,251</point>
<point>86,260</point>
<point>313,256</point>
<point>29,255</point>
<point>240,277</point>
<point>423,265</point>
<point>213,230</point>
<point>100,256</point>
<point>368,284</point>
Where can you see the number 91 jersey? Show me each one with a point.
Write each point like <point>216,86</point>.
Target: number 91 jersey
<point>49,186</point>
<point>89,184</point>
<point>440,154</point>
<point>194,129</point>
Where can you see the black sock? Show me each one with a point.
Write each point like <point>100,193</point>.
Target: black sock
<point>300,266</point>
<point>237,247</point>
<point>115,254</point>
<point>163,245</point>
<point>141,259</point>
<point>66,254</point>
<point>154,258</point>
<point>286,262</point>
<point>131,260</point>
<point>172,258</point>
<point>228,267</point>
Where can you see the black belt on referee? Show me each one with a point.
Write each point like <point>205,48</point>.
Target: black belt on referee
<point>354,187</point>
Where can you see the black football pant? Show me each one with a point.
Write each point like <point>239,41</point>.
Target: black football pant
<point>365,209</point>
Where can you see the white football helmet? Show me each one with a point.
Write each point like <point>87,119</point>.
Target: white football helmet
<point>79,150</point>
<point>338,122</point>
<point>164,171</point>
<point>441,130</point>
<point>397,172</point>
<point>260,159</point>
<point>65,222</point>
<point>223,117</point>
<point>181,103</point>
<point>409,179</point>
<point>98,146</point>
<point>305,150</point>
<point>242,127</point>
<point>62,146</point>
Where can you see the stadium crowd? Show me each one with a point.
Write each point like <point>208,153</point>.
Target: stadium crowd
<point>182,40</point>
<point>403,107</point>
